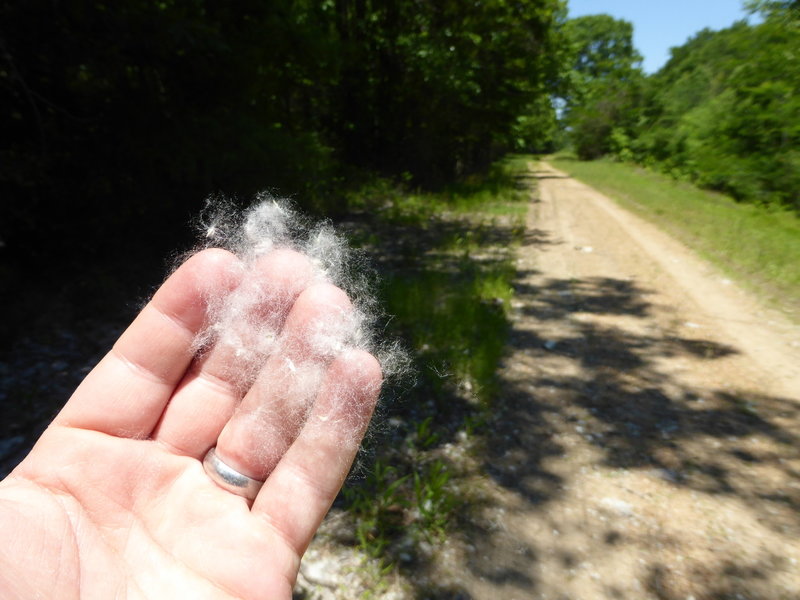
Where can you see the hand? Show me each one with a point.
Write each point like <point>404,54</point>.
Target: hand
<point>113,501</point>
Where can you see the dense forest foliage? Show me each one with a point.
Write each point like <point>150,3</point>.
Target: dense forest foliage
<point>121,117</point>
<point>724,112</point>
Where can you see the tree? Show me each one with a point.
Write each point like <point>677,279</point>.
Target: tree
<point>604,80</point>
<point>436,88</point>
<point>724,111</point>
<point>787,9</point>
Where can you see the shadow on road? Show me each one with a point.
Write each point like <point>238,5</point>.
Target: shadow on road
<point>604,388</point>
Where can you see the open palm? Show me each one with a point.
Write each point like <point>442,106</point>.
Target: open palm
<point>113,501</point>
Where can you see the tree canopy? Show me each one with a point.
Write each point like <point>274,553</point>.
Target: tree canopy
<point>603,74</point>
<point>131,112</point>
<point>724,112</point>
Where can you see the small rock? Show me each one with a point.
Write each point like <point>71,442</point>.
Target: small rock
<point>667,475</point>
<point>620,507</point>
<point>633,429</point>
<point>322,571</point>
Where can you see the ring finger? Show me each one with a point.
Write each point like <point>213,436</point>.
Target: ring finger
<point>273,411</point>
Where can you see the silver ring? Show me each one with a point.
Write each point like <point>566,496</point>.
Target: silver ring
<point>230,479</point>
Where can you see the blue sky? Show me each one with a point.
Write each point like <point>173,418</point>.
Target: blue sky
<point>659,25</point>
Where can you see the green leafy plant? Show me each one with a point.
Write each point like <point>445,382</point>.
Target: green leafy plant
<point>377,505</point>
<point>434,501</point>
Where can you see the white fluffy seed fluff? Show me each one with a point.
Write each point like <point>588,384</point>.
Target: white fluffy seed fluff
<point>247,322</point>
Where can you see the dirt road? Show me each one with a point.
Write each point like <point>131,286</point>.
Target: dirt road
<point>646,445</point>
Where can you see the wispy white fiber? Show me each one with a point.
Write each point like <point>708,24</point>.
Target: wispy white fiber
<point>247,323</point>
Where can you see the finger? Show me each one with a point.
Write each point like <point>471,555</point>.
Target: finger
<point>274,410</point>
<point>126,392</point>
<point>305,482</point>
<point>214,385</point>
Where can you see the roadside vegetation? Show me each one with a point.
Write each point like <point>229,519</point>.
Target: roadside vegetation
<point>757,245</point>
<point>448,259</point>
<point>722,113</point>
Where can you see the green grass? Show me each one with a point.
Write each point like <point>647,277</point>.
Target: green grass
<point>495,193</point>
<point>449,294</point>
<point>755,245</point>
<point>456,325</point>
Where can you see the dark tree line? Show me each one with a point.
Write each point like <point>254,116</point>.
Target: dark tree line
<point>120,117</point>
